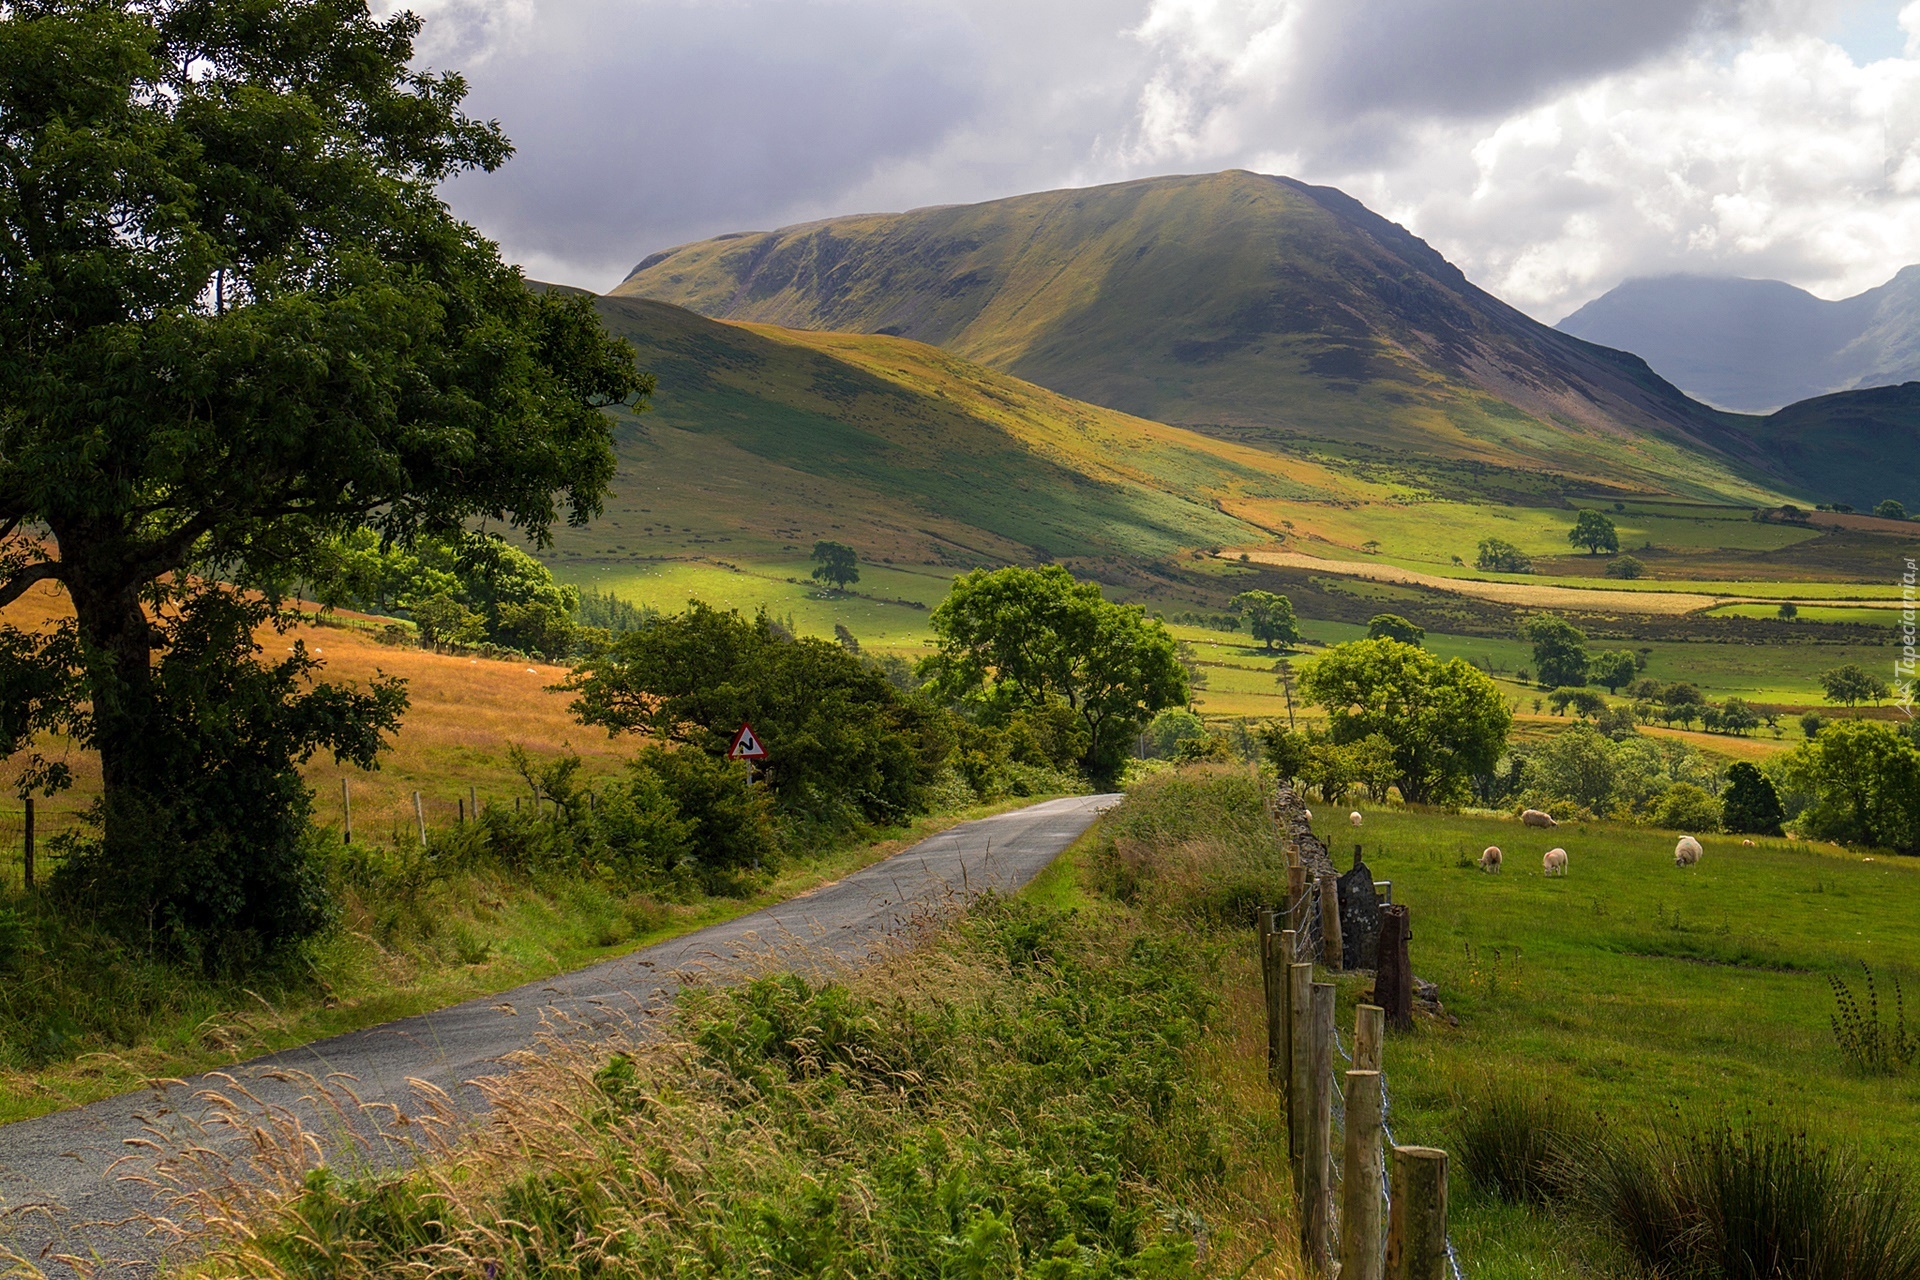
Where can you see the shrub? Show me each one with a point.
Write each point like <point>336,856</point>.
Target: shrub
<point>1686,807</point>
<point>1520,1143</point>
<point>1752,1204</point>
<point>1626,567</point>
<point>1501,556</point>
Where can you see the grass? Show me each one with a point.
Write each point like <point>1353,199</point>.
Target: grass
<point>412,939</point>
<point>1060,1084</point>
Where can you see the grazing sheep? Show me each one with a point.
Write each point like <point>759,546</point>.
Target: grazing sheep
<point>1490,859</point>
<point>1747,843</point>
<point>1535,818</point>
<point>1555,863</point>
<point>1309,814</point>
<point>1687,852</point>
<point>1354,817</point>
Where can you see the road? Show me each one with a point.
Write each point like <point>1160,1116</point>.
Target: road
<point>70,1183</point>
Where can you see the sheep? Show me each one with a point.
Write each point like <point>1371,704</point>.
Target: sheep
<point>1535,818</point>
<point>1354,817</point>
<point>1687,852</point>
<point>1490,859</point>
<point>1747,843</point>
<point>1555,862</point>
<point>1309,814</point>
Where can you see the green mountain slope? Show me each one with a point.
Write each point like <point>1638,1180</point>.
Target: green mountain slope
<point>1855,447</point>
<point>1251,307</point>
<point>759,443</point>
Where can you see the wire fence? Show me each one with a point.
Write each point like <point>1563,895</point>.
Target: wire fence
<point>50,823</point>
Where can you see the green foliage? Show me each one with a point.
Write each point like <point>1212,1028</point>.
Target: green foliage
<point>1170,728</point>
<point>1192,844</point>
<point>1611,668</point>
<point>836,564</point>
<point>1445,721</point>
<point>1391,626</point>
<point>1595,532</point>
<point>1033,636</point>
<point>1628,567</point>
<point>1585,702</point>
<point>239,322</point>
<point>539,628</point>
<point>1788,610</point>
<point>1750,805</point>
<point>1270,618</point>
<point>1687,808</point>
<point>1811,724</point>
<point>843,744</point>
<point>1624,777</point>
<point>1890,509</point>
<point>1868,1044</point>
<point>1863,783</point>
<point>1850,685</point>
<point>1500,556</point>
<point>1559,650</point>
<point>444,622</point>
<point>609,612</point>
<point>219,863</point>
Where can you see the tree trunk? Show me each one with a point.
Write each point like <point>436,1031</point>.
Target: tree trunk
<point>114,627</point>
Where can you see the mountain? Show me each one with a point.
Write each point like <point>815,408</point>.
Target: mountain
<point>1855,447</point>
<point>1253,308</point>
<point>1756,345</point>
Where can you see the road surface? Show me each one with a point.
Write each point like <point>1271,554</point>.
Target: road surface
<point>62,1192</point>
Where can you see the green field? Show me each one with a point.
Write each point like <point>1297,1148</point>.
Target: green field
<point>1635,990</point>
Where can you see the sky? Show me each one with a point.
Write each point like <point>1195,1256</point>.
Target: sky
<point>1551,148</point>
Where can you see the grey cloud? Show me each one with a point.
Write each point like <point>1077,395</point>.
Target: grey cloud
<point>639,124</point>
<point>1473,57</point>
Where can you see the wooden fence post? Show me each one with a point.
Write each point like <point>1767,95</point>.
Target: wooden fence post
<point>473,802</point>
<point>346,814</point>
<point>1362,1216</point>
<point>1369,1033</point>
<point>1316,1199</point>
<point>26,849</point>
<point>1262,926</point>
<point>1417,1220</point>
<point>1273,977</point>
<point>1393,979</point>
<point>1330,921</point>
<point>1300,996</point>
<point>420,818</point>
<point>1283,944</point>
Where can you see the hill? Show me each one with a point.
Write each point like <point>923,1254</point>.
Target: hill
<point>1854,446</point>
<point>1757,345</point>
<point>1250,307</point>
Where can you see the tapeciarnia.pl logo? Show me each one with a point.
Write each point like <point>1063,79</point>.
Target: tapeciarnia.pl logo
<point>1903,665</point>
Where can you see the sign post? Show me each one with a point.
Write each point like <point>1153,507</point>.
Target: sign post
<point>748,747</point>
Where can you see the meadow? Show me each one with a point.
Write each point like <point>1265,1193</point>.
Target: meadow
<point>1636,992</point>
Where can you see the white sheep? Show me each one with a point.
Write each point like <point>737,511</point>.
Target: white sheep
<point>1354,817</point>
<point>1309,814</point>
<point>1537,818</point>
<point>1490,858</point>
<point>1555,863</point>
<point>1747,843</point>
<point>1687,852</point>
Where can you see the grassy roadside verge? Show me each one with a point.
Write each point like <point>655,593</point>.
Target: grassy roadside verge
<point>488,932</point>
<point>1066,1084</point>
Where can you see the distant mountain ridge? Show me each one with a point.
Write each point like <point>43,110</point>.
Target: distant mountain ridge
<point>1753,346</point>
<point>1252,307</point>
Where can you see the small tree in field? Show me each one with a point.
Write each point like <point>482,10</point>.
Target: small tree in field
<point>1270,618</point>
<point>1611,668</point>
<point>1851,684</point>
<point>836,564</point>
<point>1391,626</point>
<point>1595,532</point>
<point>1626,567</point>
<point>1559,650</point>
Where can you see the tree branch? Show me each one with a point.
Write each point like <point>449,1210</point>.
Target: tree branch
<point>23,579</point>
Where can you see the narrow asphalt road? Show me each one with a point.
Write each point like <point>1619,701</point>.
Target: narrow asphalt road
<point>71,1182</point>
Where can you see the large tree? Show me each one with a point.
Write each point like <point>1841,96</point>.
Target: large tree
<point>1445,720</point>
<point>1035,636</point>
<point>1270,618</point>
<point>1595,532</point>
<point>1559,650</point>
<point>236,321</point>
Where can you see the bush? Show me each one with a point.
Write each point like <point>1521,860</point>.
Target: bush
<point>1194,843</point>
<point>1750,805</point>
<point>1752,1204</point>
<point>1685,807</point>
<point>1520,1143</point>
<point>1501,556</point>
<point>1625,567</point>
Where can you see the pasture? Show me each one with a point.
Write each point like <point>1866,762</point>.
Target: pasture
<point>1634,990</point>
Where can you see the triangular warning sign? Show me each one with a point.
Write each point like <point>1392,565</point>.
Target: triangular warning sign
<point>746,746</point>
